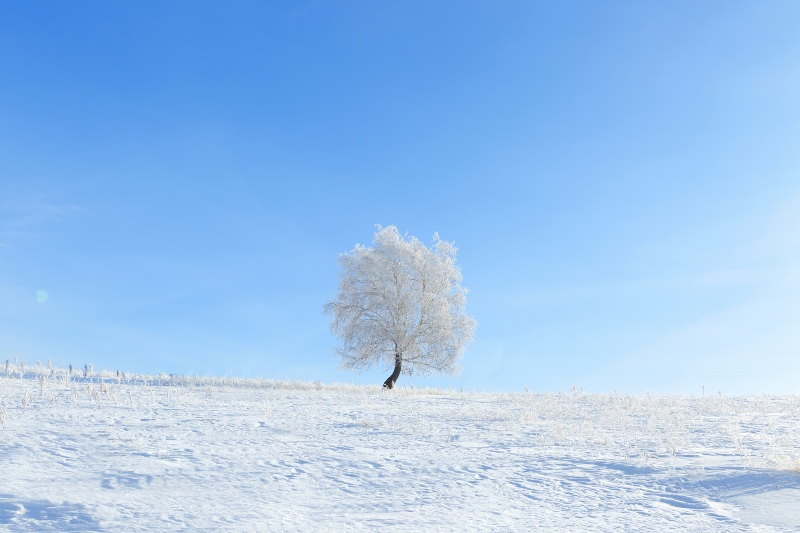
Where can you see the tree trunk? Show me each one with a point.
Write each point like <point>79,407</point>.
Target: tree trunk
<point>398,363</point>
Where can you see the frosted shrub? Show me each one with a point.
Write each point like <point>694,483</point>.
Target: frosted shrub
<point>793,463</point>
<point>94,394</point>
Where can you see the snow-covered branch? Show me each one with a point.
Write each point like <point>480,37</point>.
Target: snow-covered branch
<point>401,303</point>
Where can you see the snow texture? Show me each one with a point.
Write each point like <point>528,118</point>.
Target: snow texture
<point>202,454</point>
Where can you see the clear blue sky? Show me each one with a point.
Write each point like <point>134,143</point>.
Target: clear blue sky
<point>622,180</point>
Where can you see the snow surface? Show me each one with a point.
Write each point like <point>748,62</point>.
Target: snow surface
<point>252,455</point>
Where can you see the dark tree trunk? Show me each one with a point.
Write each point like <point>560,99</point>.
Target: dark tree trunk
<point>398,363</point>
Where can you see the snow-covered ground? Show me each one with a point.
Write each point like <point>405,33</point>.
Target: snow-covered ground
<point>252,455</point>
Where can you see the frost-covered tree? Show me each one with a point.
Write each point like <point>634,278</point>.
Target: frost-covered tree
<point>401,303</point>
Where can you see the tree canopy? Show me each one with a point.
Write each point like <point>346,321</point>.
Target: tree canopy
<point>401,304</point>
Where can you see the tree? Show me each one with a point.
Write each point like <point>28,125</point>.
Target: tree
<point>401,303</point>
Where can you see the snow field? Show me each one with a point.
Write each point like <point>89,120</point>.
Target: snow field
<point>143,453</point>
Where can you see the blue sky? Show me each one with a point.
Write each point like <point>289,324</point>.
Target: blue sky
<point>622,180</point>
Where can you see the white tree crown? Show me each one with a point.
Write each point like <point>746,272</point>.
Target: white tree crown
<point>400,297</point>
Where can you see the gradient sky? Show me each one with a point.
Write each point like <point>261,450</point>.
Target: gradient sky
<point>622,180</point>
